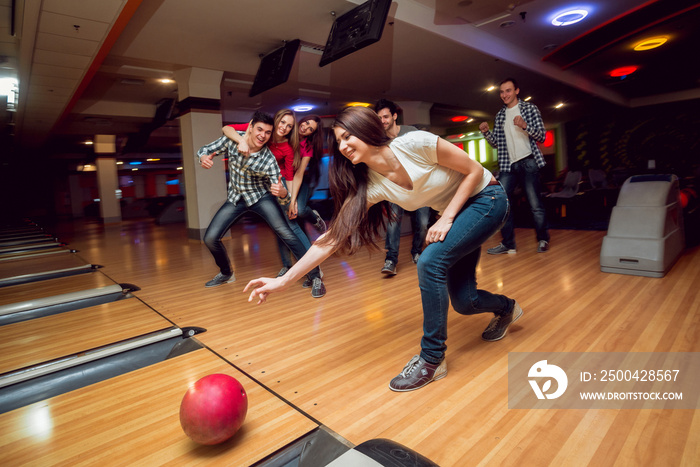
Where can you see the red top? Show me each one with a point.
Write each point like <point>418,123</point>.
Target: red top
<point>284,154</point>
<point>305,149</point>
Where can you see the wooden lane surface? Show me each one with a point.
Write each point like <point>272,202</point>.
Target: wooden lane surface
<point>43,339</point>
<point>24,266</point>
<point>133,419</point>
<point>4,257</point>
<point>50,287</point>
<point>333,357</point>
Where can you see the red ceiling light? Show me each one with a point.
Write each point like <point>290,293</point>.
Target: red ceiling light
<point>623,71</point>
<point>459,118</point>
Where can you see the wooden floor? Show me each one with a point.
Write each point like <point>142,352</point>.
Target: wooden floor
<point>332,358</point>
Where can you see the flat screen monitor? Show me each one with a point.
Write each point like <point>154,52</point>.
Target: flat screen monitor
<point>274,68</point>
<point>358,28</point>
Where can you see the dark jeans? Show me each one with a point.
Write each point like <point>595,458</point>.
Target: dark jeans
<point>419,225</point>
<point>285,253</point>
<point>269,209</point>
<point>447,270</point>
<point>526,173</point>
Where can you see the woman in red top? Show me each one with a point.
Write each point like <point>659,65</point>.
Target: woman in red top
<point>308,172</point>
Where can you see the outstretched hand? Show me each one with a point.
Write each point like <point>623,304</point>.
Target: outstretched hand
<point>262,287</point>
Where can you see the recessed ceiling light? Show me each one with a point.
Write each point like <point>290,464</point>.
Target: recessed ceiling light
<point>166,80</point>
<point>302,108</point>
<point>651,43</point>
<point>358,104</point>
<point>569,17</point>
<point>491,88</point>
<point>559,105</point>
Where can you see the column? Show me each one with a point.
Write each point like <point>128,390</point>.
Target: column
<point>107,182</point>
<point>415,113</point>
<point>199,96</point>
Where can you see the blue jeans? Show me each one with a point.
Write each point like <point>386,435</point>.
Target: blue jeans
<point>447,270</point>
<point>269,209</point>
<point>304,212</point>
<point>419,225</point>
<point>285,253</point>
<point>527,173</point>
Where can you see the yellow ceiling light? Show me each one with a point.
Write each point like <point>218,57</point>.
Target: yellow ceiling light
<point>651,43</point>
<point>358,104</point>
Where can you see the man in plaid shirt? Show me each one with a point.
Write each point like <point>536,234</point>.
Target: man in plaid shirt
<point>254,184</point>
<point>517,130</point>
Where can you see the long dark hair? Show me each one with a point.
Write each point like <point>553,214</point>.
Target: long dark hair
<point>352,225</point>
<point>314,141</point>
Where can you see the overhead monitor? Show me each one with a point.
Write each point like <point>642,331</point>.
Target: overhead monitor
<point>358,28</point>
<point>274,68</point>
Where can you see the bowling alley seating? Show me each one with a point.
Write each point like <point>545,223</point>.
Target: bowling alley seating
<point>570,187</point>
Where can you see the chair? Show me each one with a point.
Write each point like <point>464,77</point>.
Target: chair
<point>570,187</point>
<point>598,179</point>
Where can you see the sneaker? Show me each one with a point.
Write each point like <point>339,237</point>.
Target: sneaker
<point>417,373</point>
<point>389,268</point>
<point>283,271</point>
<point>500,249</point>
<point>308,282</point>
<point>220,279</point>
<point>318,290</point>
<point>497,328</point>
<point>320,224</point>
<point>542,246</point>
<point>415,258</point>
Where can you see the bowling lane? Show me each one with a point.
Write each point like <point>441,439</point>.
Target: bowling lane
<point>23,270</point>
<point>53,250</point>
<point>43,339</point>
<point>133,419</point>
<point>51,287</point>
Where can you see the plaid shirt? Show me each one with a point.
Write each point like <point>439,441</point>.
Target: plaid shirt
<point>535,130</point>
<point>249,177</point>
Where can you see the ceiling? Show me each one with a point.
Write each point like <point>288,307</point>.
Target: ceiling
<point>92,67</point>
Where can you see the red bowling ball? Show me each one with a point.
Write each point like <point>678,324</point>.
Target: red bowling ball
<point>213,409</point>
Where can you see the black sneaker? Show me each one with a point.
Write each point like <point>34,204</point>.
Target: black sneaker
<point>320,224</point>
<point>500,249</point>
<point>318,290</point>
<point>283,271</point>
<point>415,258</point>
<point>220,279</point>
<point>389,268</point>
<point>417,373</point>
<point>542,246</point>
<point>497,328</point>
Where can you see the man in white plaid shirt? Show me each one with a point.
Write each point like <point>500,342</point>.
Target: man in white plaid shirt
<point>518,128</point>
<point>254,186</point>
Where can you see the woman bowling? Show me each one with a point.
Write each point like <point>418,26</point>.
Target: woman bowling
<point>414,170</point>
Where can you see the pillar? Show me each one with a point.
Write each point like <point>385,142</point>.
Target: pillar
<point>107,181</point>
<point>199,96</point>
<point>415,113</point>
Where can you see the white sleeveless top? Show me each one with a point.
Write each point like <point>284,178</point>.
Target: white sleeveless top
<point>433,184</point>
